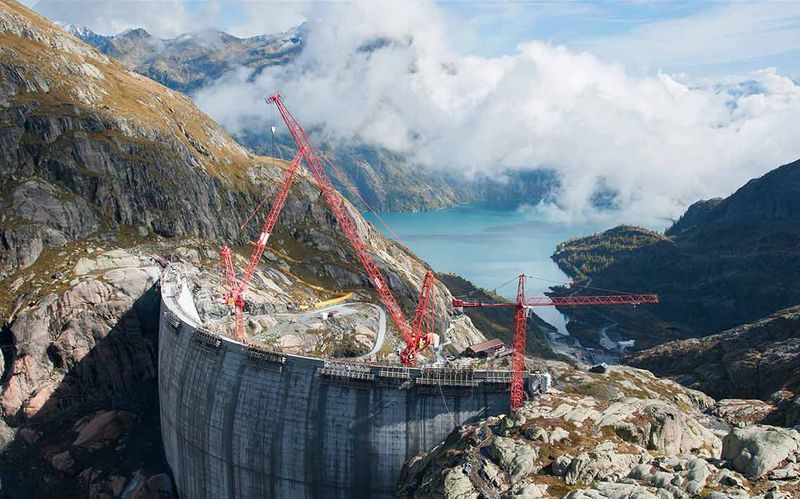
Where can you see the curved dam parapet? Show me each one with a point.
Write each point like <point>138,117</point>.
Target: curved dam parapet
<point>245,422</point>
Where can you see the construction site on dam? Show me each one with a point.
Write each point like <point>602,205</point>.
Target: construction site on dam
<point>266,392</point>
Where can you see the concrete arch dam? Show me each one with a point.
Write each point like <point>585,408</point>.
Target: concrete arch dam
<point>248,423</point>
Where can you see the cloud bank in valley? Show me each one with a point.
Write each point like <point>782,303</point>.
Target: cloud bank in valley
<point>385,74</point>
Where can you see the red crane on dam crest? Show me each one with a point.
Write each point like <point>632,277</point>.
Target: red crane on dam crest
<point>417,336</point>
<point>521,306</point>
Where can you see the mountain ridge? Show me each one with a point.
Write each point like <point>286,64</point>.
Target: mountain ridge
<point>191,61</point>
<point>724,263</point>
<point>387,180</point>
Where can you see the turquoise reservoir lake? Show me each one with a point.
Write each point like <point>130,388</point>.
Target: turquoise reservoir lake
<point>488,247</point>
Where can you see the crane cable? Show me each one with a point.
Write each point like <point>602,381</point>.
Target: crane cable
<point>494,289</point>
<point>585,286</point>
<point>353,190</point>
<point>269,195</point>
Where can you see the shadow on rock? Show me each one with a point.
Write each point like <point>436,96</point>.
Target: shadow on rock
<point>81,398</point>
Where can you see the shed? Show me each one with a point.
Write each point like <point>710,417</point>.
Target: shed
<point>484,349</point>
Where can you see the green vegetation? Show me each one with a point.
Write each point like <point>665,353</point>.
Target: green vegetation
<point>584,256</point>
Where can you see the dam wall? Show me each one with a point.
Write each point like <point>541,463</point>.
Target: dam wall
<point>242,422</point>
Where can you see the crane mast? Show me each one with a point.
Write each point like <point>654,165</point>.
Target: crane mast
<point>518,358</point>
<point>423,324</point>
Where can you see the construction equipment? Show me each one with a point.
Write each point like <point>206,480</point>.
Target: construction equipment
<point>315,160</point>
<point>424,323</point>
<point>237,287</point>
<point>521,306</point>
<point>417,336</point>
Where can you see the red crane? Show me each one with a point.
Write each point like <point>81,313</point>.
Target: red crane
<point>417,336</point>
<point>423,325</point>
<point>237,288</point>
<point>520,315</point>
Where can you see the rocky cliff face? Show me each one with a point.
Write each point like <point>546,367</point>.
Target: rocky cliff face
<point>621,434</point>
<point>724,263</point>
<point>387,181</point>
<point>104,176</point>
<point>760,360</point>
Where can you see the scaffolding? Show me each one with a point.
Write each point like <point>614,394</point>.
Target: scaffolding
<point>395,376</point>
<point>345,374</point>
<point>173,321</point>
<point>206,342</point>
<point>497,381</point>
<point>264,358</point>
<point>456,381</point>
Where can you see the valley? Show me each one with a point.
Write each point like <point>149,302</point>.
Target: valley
<point>387,181</point>
<point>140,359</point>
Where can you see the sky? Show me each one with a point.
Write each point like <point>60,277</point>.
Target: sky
<point>660,103</point>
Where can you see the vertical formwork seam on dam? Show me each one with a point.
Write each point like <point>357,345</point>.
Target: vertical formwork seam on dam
<point>232,428</point>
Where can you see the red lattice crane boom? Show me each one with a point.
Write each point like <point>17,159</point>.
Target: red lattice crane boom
<point>236,287</point>
<point>423,325</point>
<point>521,306</point>
<point>315,161</point>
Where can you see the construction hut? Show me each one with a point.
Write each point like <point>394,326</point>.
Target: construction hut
<point>484,349</point>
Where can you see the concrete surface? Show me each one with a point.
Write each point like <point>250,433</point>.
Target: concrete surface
<point>234,426</point>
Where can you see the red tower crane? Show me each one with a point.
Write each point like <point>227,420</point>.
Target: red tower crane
<point>520,322</point>
<point>423,325</point>
<point>236,287</point>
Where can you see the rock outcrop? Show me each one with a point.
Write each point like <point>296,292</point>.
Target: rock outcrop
<point>756,450</point>
<point>92,346</point>
<point>760,360</point>
<point>659,444</point>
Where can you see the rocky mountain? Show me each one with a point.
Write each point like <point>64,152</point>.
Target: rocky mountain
<point>725,262</point>
<point>621,434</point>
<point>190,61</point>
<point>105,176</point>
<point>760,360</point>
<point>386,180</point>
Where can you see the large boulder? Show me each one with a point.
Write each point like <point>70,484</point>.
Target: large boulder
<point>516,458</point>
<point>605,462</point>
<point>100,428</point>
<point>755,450</point>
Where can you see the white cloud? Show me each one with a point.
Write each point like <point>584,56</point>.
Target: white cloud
<point>719,36</point>
<point>162,18</point>
<point>265,17</point>
<point>659,142</point>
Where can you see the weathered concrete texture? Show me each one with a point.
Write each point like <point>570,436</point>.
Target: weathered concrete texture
<point>232,428</point>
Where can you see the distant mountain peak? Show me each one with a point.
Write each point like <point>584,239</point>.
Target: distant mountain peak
<point>78,30</point>
<point>134,33</point>
<point>193,60</point>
